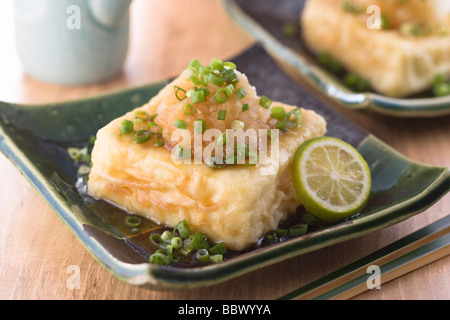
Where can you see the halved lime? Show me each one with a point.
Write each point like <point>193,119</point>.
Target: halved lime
<point>331,178</point>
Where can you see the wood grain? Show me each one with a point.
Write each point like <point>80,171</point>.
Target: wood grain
<point>36,248</point>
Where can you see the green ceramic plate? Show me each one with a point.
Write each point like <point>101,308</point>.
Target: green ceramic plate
<point>36,138</point>
<point>264,21</point>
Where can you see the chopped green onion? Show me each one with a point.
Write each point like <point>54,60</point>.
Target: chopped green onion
<point>126,127</point>
<point>278,113</point>
<point>281,125</point>
<point>230,65</point>
<point>159,258</point>
<point>152,126</point>
<point>352,7</point>
<point>385,25</point>
<point>202,255</point>
<point>180,124</point>
<point>439,78</point>
<point>298,230</point>
<point>198,96</point>
<point>325,60</point>
<point>83,170</point>
<point>219,248</point>
<point>188,109</point>
<point>216,258</point>
<point>215,79</point>
<point>133,221</point>
<point>222,115</point>
<point>281,232</point>
<point>215,162</point>
<point>222,140</point>
<point>272,236</point>
<point>141,115</point>
<point>181,153</point>
<point>187,247</point>
<point>159,141</point>
<point>289,30</point>
<point>166,236</point>
<point>238,125</point>
<point>309,219</point>
<point>216,64</point>
<point>138,124</point>
<point>74,153</point>
<point>156,239</point>
<point>245,107</point>
<point>240,93</point>
<point>199,241</point>
<point>177,90</point>
<point>442,89</point>
<point>177,242</point>
<point>221,95</point>
<point>200,126</point>
<point>195,64</point>
<point>183,229</point>
<point>142,136</point>
<point>292,123</point>
<point>265,102</point>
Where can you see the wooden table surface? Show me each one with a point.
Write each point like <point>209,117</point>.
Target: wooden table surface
<point>36,248</point>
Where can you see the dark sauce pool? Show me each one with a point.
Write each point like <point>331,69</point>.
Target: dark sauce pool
<point>114,222</point>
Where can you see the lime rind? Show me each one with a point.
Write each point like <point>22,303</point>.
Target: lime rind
<point>331,178</point>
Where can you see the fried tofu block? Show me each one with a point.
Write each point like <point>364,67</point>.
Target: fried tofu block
<point>396,62</point>
<point>235,205</point>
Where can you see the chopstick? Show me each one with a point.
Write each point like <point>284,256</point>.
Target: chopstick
<point>416,250</point>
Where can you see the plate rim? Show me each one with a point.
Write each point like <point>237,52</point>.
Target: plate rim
<point>287,58</point>
<point>157,277</point>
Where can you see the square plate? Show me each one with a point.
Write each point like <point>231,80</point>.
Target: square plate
<point>36,137</point>
<point>264,22</point>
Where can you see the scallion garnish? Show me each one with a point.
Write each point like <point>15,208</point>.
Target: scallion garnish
<point>198,96</point>
<point>142,115</point>
<point>180,124</point>
<point>180,93</point>
<point>159,141</point>
<point>236,124</point>
<point>126,127</point>
<point>219,248</point>
<point>221,115</point>
<point>188,109</point>
<point>183,229</point>
<point>216,64</point>
<point>195,64</point>
<point>222,140</point>
<point>159,258</point>
<point>245,107</point>
<point>298,229</point>
<point>132,221</point>
<point>199,240</point>
<point>202,255</point>
<point>142,136</point>
<point>240,93</point>
<point>265,102</point>
<point>221,95</point>
<point>200,126</point>
<point>216,258</point>
<point>154,128</point>
<point>278,113</point>
<point>215,79</point>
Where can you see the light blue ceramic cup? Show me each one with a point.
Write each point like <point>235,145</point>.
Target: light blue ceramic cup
<point>72,42</point>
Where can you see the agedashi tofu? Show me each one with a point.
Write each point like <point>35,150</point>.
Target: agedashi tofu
<point>400,57</point>
<point>176,158</point>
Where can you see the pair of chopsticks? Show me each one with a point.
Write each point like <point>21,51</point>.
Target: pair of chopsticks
<point>416,250</point>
